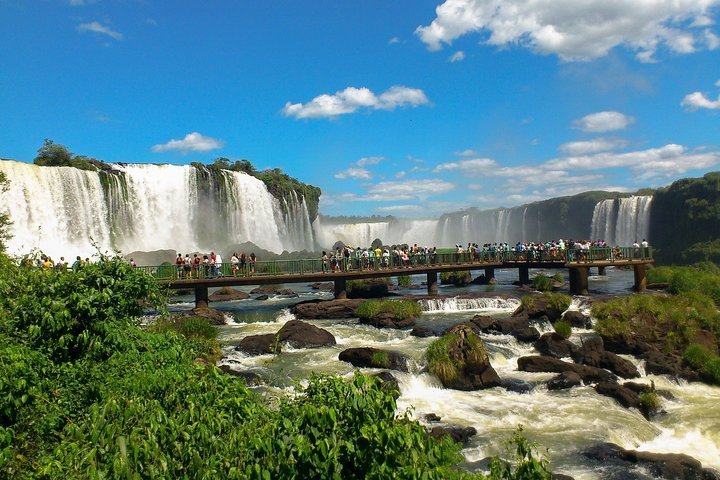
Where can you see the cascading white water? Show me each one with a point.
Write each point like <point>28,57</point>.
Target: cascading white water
<point>62,211</point>
<point>621,221</point>
<point>455,304</point>
<point>633,220</point>
<point>390,232</point>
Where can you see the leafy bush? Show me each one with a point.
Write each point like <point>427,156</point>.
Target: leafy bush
<point>558,301</point>
<point>563,328</point>
<point>525,464</point>
<point>404,280</point>
<point>201,334</point>
<point>400,309</point>
<point>446,368</point>
<point>649,403</point>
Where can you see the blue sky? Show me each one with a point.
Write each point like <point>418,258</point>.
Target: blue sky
<point>409,108</point>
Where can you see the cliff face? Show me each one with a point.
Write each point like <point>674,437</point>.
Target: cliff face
<point>685,220</point>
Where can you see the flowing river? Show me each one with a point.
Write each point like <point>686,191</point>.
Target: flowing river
<point>566,422</point>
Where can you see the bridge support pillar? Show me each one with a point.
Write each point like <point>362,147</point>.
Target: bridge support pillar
<point>579,280</point>
<point>640,278</point>
<point>432,283</point>
<point>601,271</point>
<point>489,273</point>
<point>524,275</point>
<point>340,288</point>
<point>201,297</point>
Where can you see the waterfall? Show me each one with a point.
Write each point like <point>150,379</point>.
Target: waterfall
<point>603,221</point>
<point>455,304</point>
<point>395,231</point>
<point>63,211</point>
<point>621,221</point>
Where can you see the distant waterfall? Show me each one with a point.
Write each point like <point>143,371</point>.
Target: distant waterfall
<point>63,210</point>
<point>621,221</point>
<point>393,231</point>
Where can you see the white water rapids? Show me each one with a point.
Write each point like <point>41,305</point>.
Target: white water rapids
<point>566,422</point>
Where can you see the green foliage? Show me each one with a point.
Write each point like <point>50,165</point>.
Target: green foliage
<point>52,154</point>
<point>543,283</point>
<point>704,361</point>
<point>371,288</point>
<point>400,309</point>
<point>5,221</point>
<point>444,365</point>
<point>525,463</point>
<point>458,279</point>
<point>558,301</point>
<point>404,280</point>
<point>380,359</point>
<point>201,334</point>
<point>701,278</point>
<point>563,328</point>
<point>527,302</point>
<point>649,403</point>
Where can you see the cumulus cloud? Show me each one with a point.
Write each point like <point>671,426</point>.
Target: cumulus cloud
<point>353,99</point>
<point>401,208</point>
<point>592,146</point>
<point>665,161</point>
<point>193,142</point>
<point>408,190</point>
<point>394,40</point>
<point>465,153</point>
<point>696,100</point>
<point>574,30</point>
<point>458,56</point>
<point>369,161</point>
<point>470,167</point>
<point>356,173</point>
<point>98,27</point>
<point>603,122</point>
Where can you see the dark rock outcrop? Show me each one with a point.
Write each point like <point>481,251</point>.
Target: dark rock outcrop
<point>564,381</point>
<point>323,309</point>
<point>227,294</point>
<point>265,290</point>
<point>259,344</point>
<point>540,306</point>
<point>625,397</point>
<point>388,320</point>
<point>577,319</point>
<point>555,345</point>
<point>467,360</point>
<point>518,327</point>
<point>261,297</point>
<point>660,465</point>
<point>300,334</point>
<point>423,332</point>
<point>432,417</point>
<point>213,316</point>
<point>329,286</point>
<point>593,353</point>
<point>286,292</point>
<point>552,364</point>
<point>368,357</point>
<point>250,378</point>
<point>457,433</point>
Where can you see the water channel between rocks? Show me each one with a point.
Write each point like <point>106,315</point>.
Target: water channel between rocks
<point>566,422</point>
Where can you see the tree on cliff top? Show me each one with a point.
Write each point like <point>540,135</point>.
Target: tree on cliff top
<point>53,154</point>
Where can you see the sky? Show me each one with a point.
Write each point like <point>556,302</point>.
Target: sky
<point>409,108</point>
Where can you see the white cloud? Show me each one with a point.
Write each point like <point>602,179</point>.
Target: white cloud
<point>193,142</point>
<point>665,161</point>
<point>465,153</point>
<point>353,99</point>
<point>357,173</point>
<point>369,161</point>
<point>471,167</point>
<point>407,190</point>
<point>712,40</point>
<point>401,208</point>
<point>80,3</point>
<point>97,27</point>
<point>400,174</point>
<point>458,56</point>
<point>695,100</point>
<point>394,40</point>
<point>573,30</point>
<point>592,146</point>
<point>603,122</point>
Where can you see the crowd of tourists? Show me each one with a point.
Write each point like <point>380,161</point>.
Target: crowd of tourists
<point>212,266</point>
<point>46,263</point>
<point>348,258</point>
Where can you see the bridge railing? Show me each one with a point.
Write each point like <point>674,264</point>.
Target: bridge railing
<point>169,272</point>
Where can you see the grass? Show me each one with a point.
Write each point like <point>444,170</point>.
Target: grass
<point>380,360</point>
<point>404,281</point>
<point>456,278</point>
<point>563,328</point>
<point>198,331</point>
<point>544,283</point>
<point>649,402</point>
<point>400,309</point>
<point>443,366</point>
<point>702,277</point>
<point>707,363</point>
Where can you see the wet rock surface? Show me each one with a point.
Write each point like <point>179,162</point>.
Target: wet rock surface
<point>259,344</point>
<point>368,357</point>
<point>458,433</point>
<point>324,309</point>
<point>299,334</point>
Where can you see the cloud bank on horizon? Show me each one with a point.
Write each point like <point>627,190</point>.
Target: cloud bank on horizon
<point>433,106</point>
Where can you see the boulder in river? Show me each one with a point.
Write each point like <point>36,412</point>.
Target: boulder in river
<point>264,290</point>
<point>458,433</point>
<point>215,317</point>
<point>555,345</point>
<point>460,361</point>
<point>551,305</point>
<point>593,353</point>
<point>543,363</point>
<point>577,319</point>
<point>368,357</point>
<point>323,309</point>
<point>250,378</point>
<point>564,381</point>
<point>659,465</point>
<point>300,334</point>
<point>226,294</point>
<point>259,344</point>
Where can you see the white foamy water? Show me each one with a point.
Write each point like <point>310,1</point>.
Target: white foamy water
<point>455,304</point>
<point>621,221</point>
